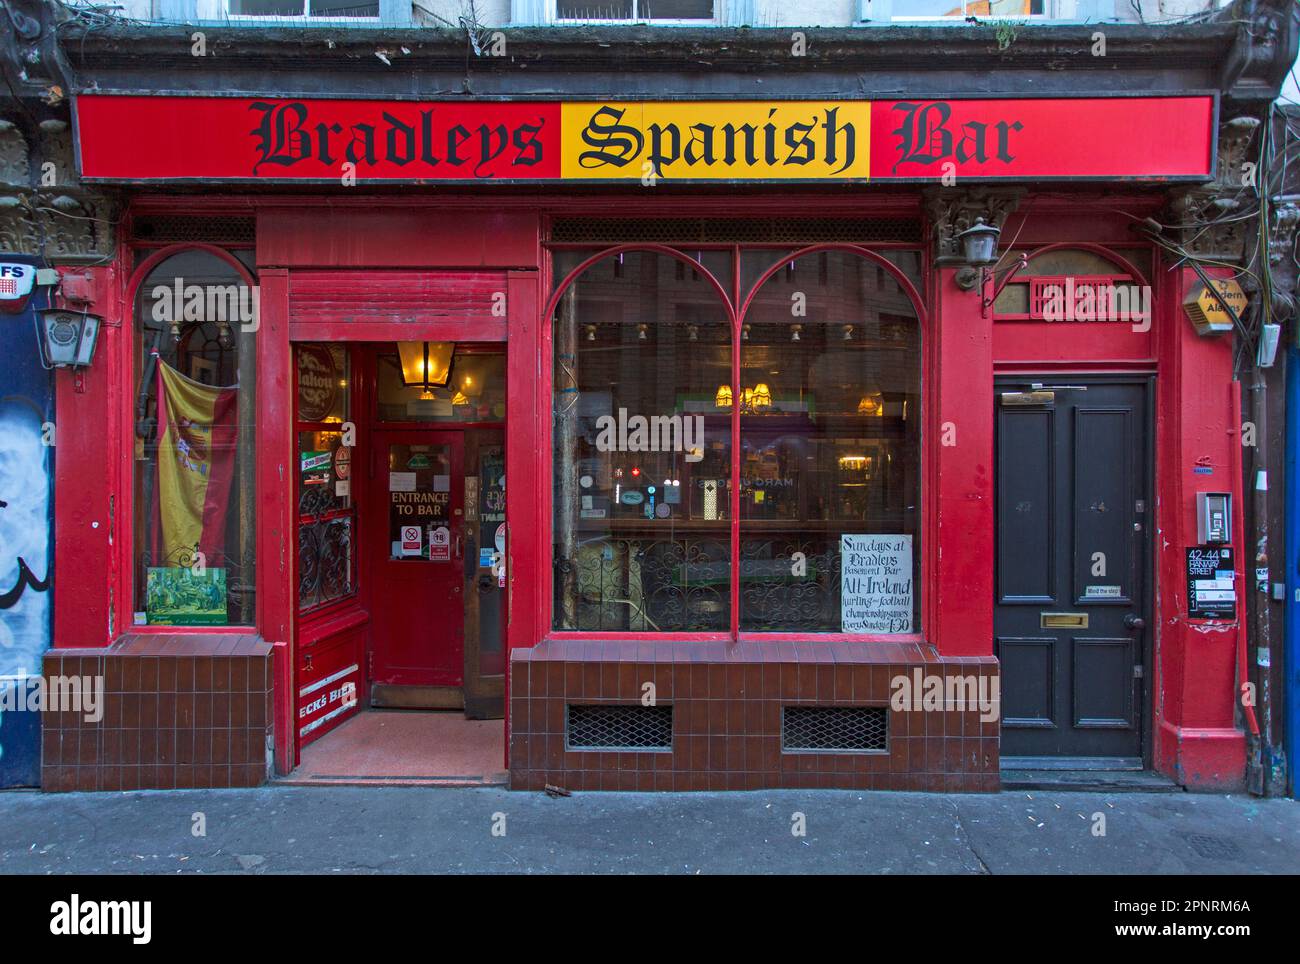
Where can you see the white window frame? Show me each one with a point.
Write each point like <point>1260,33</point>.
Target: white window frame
<point>634,19</point>
<point>305,17</point>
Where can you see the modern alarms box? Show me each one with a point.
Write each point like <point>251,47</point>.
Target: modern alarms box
<point>1213,518</point>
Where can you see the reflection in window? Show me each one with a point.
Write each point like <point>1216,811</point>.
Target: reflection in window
<point>830,450</point>
<point>194,527</point>
<point>326,506</point>
<point>642,450</point>
<point>334,9</point>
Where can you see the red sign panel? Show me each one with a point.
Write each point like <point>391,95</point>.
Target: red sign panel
<point>240,139</point>
<point>1128,137</point>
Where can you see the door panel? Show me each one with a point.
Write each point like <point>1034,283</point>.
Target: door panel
<point>485,593</point>
<point>416,548</point>
<point>1072,537</point>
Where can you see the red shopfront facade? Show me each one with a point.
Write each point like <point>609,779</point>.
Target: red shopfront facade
<point>880,525</point>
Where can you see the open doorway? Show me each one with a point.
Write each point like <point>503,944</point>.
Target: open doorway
<point>400,635</point>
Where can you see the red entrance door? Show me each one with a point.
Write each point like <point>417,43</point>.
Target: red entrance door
<point>416,552</point>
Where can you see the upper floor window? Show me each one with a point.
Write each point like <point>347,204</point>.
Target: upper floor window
<point>904,10</point>
<point>659,11</point>
<point>324,9</point>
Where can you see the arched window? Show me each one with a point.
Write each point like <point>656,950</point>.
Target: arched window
<point>642,448</point>
<point>661,522</point>
<point>830,450</point>
<point>194,500</point>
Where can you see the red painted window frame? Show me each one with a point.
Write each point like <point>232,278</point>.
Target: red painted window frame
<point>130,348</point>
<point>736,311</point>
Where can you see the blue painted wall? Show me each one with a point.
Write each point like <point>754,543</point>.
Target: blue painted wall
<point>26,528</point>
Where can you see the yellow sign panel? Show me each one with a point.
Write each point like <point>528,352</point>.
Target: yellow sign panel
<point>712,140</point>
<point>1206,311</point>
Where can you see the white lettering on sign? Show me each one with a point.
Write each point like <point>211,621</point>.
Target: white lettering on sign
<point>876,583</point>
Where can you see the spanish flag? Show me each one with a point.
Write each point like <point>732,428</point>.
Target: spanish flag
<point>197,432</point>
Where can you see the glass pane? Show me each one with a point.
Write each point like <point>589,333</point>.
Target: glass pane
<point>419,502</point>
<point>830,451</point>
<point>344,8</point>
<point>322,382</point>
<point>642,450</point>
<point>675,9</point>
<point>492,515</point>
<point>594,9</point>
<point>194,527</point>
<point>267,8</point>
<point>475,391</point>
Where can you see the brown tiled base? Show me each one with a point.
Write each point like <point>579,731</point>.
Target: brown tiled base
<point>178,712</point>
<point>727,700</point>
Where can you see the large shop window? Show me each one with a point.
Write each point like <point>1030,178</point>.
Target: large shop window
<point>826,475</point>
<point>194,502</point>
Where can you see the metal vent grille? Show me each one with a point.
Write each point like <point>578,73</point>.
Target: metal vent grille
<point>620,727</point>
<point>842,728</point>
<point>734,230</point>
<point>166,229</point>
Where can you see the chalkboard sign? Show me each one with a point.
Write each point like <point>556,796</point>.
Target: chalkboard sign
<point>876,583</point>
<point>1211,592</point>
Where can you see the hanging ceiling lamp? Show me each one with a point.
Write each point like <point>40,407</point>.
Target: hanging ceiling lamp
<point>425,364</point>
<point>723,398</point>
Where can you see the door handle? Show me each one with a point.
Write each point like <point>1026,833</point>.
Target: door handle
<point>1134,622</point>
<point>460,548</point>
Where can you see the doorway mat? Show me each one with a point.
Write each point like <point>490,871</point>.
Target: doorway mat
<point>406,748</point>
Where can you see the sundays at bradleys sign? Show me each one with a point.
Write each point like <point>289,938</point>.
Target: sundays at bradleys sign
<point>239,139</point>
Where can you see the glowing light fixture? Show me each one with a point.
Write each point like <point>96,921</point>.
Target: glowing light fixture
<point>723,398</point>
<point>425,364</point>
<point>762,396</point>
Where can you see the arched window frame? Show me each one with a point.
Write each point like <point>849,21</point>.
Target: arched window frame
<point>735,316</point>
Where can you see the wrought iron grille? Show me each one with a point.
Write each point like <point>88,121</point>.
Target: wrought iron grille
<point>774,600</point>
<point>645,585</point>
<point>840,728</point>
<point>324,561</point>
<point>619,727</point>
<point>735,230</point>
<point>168,229</point>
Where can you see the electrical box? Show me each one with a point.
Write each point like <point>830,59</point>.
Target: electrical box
<point>1213,518</point>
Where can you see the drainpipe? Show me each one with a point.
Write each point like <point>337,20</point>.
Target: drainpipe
<point>1261,756</point>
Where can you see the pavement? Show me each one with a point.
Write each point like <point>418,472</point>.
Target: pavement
<point>335,829</point>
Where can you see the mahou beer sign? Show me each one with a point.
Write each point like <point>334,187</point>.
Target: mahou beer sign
<point>237,139</point>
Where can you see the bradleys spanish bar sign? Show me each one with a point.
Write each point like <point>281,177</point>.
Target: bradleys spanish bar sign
<point>238,139</point>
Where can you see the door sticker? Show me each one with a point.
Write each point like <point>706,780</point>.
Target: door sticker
<point>412,541</point>
<point>1103,592</point>
<point>440,544</point>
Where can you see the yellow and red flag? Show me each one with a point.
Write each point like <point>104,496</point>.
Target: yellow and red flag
<point>197,433</point>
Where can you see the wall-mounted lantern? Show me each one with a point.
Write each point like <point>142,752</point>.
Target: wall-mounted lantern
<point>979,245</point>
<point>66,338</point>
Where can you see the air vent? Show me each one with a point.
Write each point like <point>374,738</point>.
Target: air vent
<point>620,727</point>
<point>166,229</point>
<point>734,230</point>
<point>844,729</point>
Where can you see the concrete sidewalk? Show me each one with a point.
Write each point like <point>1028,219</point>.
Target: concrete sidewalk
<point>281,829</point>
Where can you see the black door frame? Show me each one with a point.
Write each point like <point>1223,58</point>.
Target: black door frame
<point>1003,381</point>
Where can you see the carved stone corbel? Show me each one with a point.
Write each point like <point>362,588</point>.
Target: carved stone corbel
<point>951,211</point>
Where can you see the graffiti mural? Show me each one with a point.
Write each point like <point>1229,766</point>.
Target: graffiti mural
<point>26,552</point>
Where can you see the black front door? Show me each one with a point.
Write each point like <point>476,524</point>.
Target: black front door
<point>1073,524</point>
